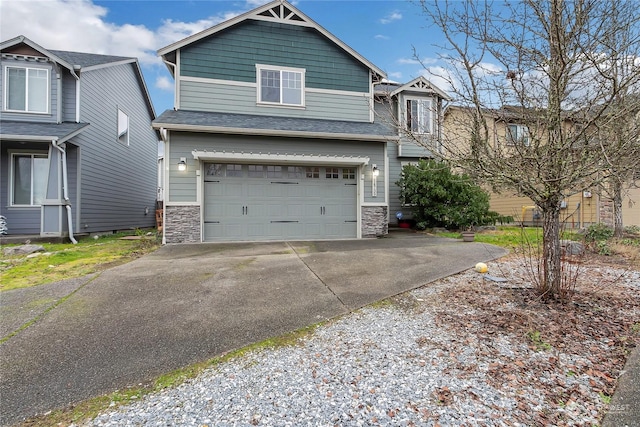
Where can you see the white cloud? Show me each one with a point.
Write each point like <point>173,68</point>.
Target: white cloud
<point>408,61</point>
<point>164,83</point>
<point>381,37</point>
<point>393,16</point>
<point>395,75</point>
<point>86,28</point>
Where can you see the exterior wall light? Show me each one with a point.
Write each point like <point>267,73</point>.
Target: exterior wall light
<point>182,164</point>
<point>375,170</point>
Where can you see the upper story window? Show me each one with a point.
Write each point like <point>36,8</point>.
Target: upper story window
<point>419,115</point>
<point>518,134</point>
<point>28,178</point>
<point>280,86</point>
<point>27,89</point>
<point>123,127</point>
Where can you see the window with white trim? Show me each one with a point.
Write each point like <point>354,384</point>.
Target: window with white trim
<point>518,134</point>
<point>28,178</point>
<point>419,114</point>
<point>26,89</point>
<point>123,127</point>
<point>280,86</point>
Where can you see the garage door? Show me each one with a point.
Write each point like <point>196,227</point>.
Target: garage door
<point>279,202</point>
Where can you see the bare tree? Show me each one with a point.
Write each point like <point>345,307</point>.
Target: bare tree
<point>557,68</point>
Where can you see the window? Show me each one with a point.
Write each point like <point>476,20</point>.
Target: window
<point>27,89</point>
<point>348,173</point>
<point>123,127</point>
<point>332,173</point>
<point>256,171</point>
<point>215,169</point>
<point>518,134</point>
<point>419,115</point>
<point>274,171</point>
<point>295,172</point>
<point>234,170</point>
<point>313,172</point>
<point>28,179</point>
<point>280,86</point>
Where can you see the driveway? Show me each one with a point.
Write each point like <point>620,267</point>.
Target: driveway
<point>188,303</point>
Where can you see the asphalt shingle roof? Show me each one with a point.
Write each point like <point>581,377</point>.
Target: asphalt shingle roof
<point>88,59</point>
<point>256,123</point>
<point>39,130</point>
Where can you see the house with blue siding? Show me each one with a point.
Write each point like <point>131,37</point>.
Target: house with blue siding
<point>415,111</point>
<point>77,152</point>
<point>273,134</point>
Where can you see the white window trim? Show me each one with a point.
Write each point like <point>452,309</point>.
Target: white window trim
<point>431,113</point>
<point>128,132</point>
<point>6,90</point>
<point>522,132</point>
<point>12,155</point>
<point>261,67</point>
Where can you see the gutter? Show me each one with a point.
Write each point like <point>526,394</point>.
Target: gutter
<point>65,194</point>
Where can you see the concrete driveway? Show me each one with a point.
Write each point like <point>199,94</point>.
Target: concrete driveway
<point>188,303</point>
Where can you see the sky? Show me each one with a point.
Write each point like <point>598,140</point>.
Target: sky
<point>383,31</point>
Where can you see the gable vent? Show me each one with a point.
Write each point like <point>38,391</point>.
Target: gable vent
<point>281,13</point>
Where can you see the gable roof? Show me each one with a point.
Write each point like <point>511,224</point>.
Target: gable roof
<point>276,11</point>
<point>421,84</point>
<point>77,62</point>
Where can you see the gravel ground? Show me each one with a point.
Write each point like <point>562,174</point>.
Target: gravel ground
<point>463,351</point>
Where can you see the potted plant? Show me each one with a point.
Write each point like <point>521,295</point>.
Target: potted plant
<point>468,235</point>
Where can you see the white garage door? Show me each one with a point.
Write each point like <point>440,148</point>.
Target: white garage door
<point>279,202</point>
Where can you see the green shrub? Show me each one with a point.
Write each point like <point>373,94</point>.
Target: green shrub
<point>440,198</point>
<point>598,233</point>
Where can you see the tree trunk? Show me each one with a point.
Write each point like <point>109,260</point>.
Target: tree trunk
<point>618,226</point>
<point>550,286</point>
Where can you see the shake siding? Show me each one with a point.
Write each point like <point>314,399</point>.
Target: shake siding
<point>31,117</point>
<point>217,97</point>
<point>117,181</point>
<point>183,184</point>
<point>233,53</point>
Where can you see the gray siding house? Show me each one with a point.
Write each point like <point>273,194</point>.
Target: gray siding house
<point>77,152</point>
<point>273,134</point>
<point>415,111</point>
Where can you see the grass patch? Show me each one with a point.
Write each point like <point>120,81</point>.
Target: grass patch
<point>511,237</point>
<point>65,260</point>
<point>91,408</point>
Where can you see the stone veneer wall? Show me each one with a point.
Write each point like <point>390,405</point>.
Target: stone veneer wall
<point>182,224</point>
<point>605,213</point>
<point>374,221</point>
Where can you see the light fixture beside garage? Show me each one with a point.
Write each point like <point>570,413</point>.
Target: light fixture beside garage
<point>374,180</point>
<point>182,164</point>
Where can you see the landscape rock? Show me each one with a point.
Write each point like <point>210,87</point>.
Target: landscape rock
<point>22,250</point>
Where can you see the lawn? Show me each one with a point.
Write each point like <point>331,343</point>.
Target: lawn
<point>65,260</point>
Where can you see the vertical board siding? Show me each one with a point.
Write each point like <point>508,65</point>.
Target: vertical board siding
<point>117,182</point>
<point>232,54</point>
<point>51,116</point>
<point>218,97</point>
<point>183,185</point>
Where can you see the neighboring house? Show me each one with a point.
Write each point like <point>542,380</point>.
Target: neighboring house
<point>273,134</point>
<point>414,110</point>
<point>507,130</point>
<point>77,152</point>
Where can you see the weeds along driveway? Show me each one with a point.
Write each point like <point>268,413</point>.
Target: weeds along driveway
<point>188,303</point>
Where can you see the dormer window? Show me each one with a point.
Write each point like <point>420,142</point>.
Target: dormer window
<point>280,86</point>
<point>419,114</point>
<point>518,134</point>
<point>27,89</point>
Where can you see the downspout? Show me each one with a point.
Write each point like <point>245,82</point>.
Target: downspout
<point>175,82</point>
<point>65,195</point>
